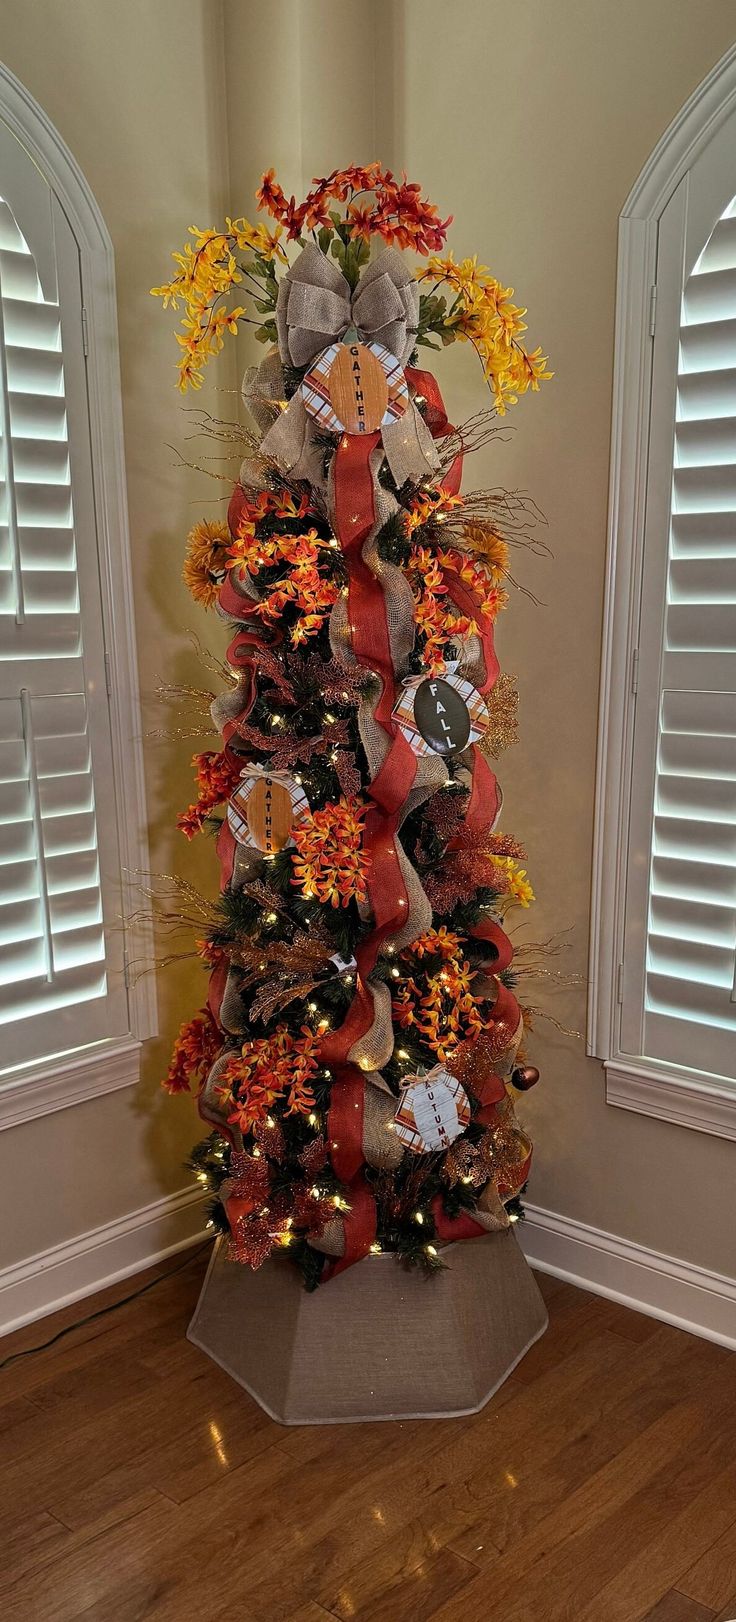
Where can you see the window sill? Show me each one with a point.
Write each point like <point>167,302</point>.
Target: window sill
<point>46,1085</point>
<point>685,1097</point>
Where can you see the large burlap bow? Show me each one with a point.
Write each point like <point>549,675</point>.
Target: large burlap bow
<point>316,308</point>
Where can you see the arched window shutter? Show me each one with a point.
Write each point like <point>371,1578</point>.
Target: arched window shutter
<point>679,965</point>
<point>62,796</point>
<point>664,957</point>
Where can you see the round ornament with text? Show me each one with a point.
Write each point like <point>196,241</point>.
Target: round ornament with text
<point>441,715</point>
<point>262,810</point>
<point>355,388</point>
<point>433,1110</point>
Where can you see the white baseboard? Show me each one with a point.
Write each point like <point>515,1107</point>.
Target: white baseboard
<point>678,1292</point>
<point>78,1267</point>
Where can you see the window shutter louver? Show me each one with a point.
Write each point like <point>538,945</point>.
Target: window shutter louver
<point>684,958</point>
<point>61,941</point>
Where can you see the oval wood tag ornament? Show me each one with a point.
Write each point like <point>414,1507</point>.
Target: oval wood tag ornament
<point>270,815</point>
<point>262,811</point>
<point>358,389</point>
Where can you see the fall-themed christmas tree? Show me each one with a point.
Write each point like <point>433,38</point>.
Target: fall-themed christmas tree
<point>362,1042</point>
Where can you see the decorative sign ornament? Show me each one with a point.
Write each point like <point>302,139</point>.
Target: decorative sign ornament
<point>263,809</point>
<point>433,1110</point>
<point>440,715</point>
<point>355,388</point>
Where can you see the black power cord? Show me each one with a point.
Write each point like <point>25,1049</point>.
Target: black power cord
<point>102,1312</point>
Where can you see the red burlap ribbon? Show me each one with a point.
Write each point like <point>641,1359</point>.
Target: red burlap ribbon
<point>457,1227</point>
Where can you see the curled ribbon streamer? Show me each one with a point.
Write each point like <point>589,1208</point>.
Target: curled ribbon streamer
<point>354,517</point>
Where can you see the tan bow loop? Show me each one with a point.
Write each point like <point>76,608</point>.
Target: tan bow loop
<point>315,307</point>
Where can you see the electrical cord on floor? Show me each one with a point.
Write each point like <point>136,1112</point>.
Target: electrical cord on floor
<point>102,1311</point>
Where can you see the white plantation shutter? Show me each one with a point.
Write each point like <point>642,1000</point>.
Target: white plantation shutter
<point>677,982</point>
<point>62,984</point>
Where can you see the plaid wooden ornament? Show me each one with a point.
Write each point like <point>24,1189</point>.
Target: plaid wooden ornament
<point>355,388</point>
<point>440,715</point>
<point>263,809</point>
<point>433,1110</point>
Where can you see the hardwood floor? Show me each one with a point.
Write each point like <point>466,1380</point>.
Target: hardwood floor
<point>138,1482</point>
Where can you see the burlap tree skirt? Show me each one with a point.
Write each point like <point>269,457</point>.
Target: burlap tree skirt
<point>380,1341</point>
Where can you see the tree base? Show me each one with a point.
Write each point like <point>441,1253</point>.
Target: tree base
<point>380,1341</point>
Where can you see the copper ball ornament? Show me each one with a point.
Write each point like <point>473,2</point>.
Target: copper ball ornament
<point>524,1077</point>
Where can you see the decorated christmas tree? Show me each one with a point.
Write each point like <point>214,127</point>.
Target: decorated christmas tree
<point>362,1042</point>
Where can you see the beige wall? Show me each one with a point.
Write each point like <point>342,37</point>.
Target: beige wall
<point>530,123</point>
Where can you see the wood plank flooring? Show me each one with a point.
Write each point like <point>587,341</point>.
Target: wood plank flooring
<point>138,1482</point>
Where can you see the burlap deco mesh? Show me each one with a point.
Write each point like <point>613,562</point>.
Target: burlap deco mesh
<point>375,1047</point>
<point>210,1105</point>
<point>490,1212</point>
<point>262,389</point>
<point>288,439</point>
<point>382,1147</point>
<point>226,707</point>
<point>471,663</point>
<point>331,1241</point>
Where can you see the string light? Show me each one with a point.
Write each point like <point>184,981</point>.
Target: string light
<point>419,1217</point>
<point>272,917</point>
<point>430,1250</point>
<point>375,1249</point>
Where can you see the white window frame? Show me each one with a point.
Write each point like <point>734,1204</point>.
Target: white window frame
<point>35,1089</point>
<point>668,1091</point>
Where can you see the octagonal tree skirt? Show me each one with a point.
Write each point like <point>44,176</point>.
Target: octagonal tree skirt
<point>380,1341</point>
